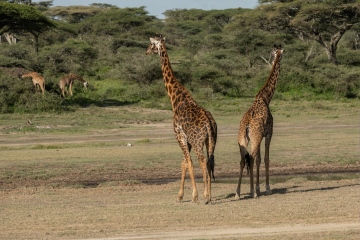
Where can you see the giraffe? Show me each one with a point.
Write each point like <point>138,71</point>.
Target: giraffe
<point>257,123</point>
<point>37,80</point>
<point>193,125</point>
<point>68,80</point>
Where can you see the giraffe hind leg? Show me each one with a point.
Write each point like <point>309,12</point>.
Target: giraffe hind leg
<point>184,167</point>
<point>206,173</point>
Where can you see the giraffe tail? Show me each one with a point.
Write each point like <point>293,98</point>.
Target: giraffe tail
<point>211,166</point>
<point>212,137</point>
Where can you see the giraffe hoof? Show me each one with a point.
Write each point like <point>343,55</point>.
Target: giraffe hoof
<point>179,199</point>
<point>237,197</point>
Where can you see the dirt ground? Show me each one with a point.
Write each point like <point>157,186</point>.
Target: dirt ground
<point>296,209</point>
<point>320,201</point>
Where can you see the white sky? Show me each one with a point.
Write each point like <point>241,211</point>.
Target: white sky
<point>157,7</point>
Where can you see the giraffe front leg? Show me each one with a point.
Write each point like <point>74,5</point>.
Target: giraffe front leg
<point>258,161</point>
<point>243,154</point>
<point>267,162</point>
<point>182,183</point>
<point>252,192</point>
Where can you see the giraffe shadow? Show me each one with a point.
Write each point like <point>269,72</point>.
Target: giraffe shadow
<point>315,189</point>
<point>246,196</point>
<point>85,102</point>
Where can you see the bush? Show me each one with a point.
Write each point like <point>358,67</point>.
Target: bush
<point>17,95</point>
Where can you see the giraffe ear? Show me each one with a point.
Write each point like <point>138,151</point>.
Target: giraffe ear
<point>152,40</point>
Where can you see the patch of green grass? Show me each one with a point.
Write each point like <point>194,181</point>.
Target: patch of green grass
<point>144,141</point>
<point>41,146</point>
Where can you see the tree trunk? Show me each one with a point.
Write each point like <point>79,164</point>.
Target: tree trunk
<point>331,53</point>
<point>36,37</point>
<point>331,48</point>
<point>10,38</point>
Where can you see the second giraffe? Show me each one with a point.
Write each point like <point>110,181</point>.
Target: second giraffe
<point>194,126</point>
<point>257,123</point>
<point>68,80</point>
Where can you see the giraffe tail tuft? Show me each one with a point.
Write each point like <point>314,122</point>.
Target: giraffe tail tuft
<point>211,165</point>
<point>247,162</point>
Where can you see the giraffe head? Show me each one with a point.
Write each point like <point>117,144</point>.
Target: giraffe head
<point>277,51</point>
<point>155,44</point>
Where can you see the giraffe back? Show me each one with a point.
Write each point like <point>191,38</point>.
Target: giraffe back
<point>69,80</point>
<point>36,78</point>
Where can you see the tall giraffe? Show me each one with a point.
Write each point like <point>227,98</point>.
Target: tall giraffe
<point>193,125</point>
<point>37,80</point>
<point>68,80</point>
<point>257,123</point>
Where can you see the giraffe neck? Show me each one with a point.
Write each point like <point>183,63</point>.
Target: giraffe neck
<point>176,92</point>
<point>267,91</point>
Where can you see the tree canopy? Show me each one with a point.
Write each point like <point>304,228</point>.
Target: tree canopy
<point>19,17</point>
<point>322,21</point>
<point>23,18</point>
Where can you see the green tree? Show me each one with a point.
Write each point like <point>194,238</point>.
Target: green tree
<point>116,21</point>
<point>20,18</point>
<point>73,14</point>
<point>322,21</point>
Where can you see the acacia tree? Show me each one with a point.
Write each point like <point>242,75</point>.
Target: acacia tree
<point>18,18</point>
<point>73,14</point>
<point>324,21</point>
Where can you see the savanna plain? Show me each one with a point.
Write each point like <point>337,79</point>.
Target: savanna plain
<point>74,175</point>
